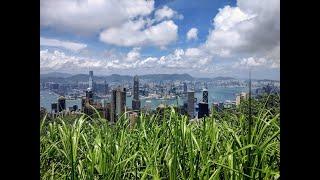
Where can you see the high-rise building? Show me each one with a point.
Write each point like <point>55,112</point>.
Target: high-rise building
<point>135,87</point>
<point>91,79</point>
<point>203,106</point>
<point>120,101</point>
<point>203,110</point>
<point>185,88</point>
<point>238,100</point>
<point>191,104</point>
<point>205,96</point>
<point>89,96</point>
<point>135,101</point>
<point>113,105</point>
<point>61,103</point>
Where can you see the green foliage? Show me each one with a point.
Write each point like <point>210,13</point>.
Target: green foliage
<point>162,147</point>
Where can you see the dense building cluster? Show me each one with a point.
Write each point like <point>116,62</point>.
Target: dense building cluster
<point>116,106</point>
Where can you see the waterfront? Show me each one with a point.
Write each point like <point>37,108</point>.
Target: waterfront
<point>216,94</point>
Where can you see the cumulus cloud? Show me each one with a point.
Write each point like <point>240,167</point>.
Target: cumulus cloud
<point>135,33</point>
<point>254,62</point>
<point>188,60</point>
<point>247,34</point>
<point>166,13</point>
<point>60,61</point>
<point>192,34</point>
<point>118,22</point>
<point>133,55</point>
<point>250,29</point>
<point>65,44</point>
<point>90,16</point>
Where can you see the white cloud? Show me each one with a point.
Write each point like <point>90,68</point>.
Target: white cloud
<point>118,22</point>
<point>62,62</point>
<point>166,13</point>
<point>254,62</point>
<point>251,28</point>
<point>248,35</point>
<point>188,60</point>
<point>193,52</point>
<point>133,55</point>
<point>135,33</point>
<point>192,34</point>
<point>251,62</point>
<point>65,44</point>
<point>90,16</point>
<point>59,61</point>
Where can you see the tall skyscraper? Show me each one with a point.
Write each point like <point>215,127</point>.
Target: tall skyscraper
<point>205,96</point>
<point>203,106</point>
<point>135,87</point>
<point>135,101</point>
<point>203,110</point>
<point>113,105</point>
<point>120,101</point>
<point>185,88</point>
<point>191,104</point>
<point>91,79</point>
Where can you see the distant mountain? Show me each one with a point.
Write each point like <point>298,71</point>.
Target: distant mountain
<point>223,78</point>
<point>113,78</point>
<point>56,75</point>
<point>67,78</point>
<point>167,77</point>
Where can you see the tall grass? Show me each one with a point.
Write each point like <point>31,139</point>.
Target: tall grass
<point>161,147</point>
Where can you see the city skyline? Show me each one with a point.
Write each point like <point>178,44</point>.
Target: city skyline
<point>205,39</point>
<point>64,75</point>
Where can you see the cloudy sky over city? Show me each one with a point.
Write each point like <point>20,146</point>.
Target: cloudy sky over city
<point>205,38</point>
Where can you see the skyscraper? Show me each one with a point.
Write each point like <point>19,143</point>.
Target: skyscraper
<point>185,88</point>
<point>135,101</point>
<point>203,110</point>
<point>89,95</point>
<point>238,100</point>
<point>203,106</point>
<point>191,104</point>
<point>91,79</point>
<point>135,87</point>
<point>205,96</point>
<point>120,101</point>
<point>113,105</point>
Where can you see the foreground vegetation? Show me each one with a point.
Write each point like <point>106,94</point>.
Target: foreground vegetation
<point>164,146</point>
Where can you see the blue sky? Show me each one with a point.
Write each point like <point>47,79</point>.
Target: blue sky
<point>205,38</point>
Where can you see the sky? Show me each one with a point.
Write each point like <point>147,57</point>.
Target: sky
<point>204,38</point>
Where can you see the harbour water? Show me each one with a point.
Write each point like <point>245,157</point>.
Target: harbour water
<point>216,94</point>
